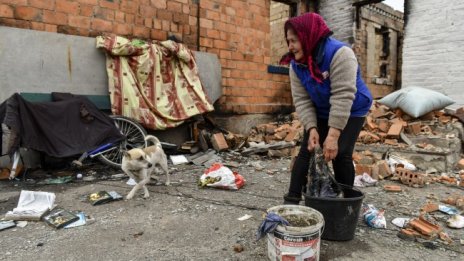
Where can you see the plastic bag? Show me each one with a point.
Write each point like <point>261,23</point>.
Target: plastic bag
<point>321,182</point>
<point>394,161</point>
<point>219,176</point>
<point>374,217</point>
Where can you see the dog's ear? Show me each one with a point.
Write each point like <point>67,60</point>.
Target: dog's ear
<point>127,154</point>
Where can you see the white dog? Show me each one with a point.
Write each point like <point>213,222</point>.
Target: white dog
<point>140,164</point>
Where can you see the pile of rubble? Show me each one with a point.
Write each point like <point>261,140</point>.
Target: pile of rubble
<point>395,128</point>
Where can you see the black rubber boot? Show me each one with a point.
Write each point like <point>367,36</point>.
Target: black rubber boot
<point>290,200</point>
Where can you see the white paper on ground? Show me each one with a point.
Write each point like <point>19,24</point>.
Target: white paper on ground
<point>21,223</point>
<point>33,203</point>
<point>400,222</point>
<point>456,221</point>
<point>131,182</point>
<point>178,159</point>
<point>245,217</point>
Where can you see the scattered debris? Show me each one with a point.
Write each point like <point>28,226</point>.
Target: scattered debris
<point>373,217</point>
<point>364,180</point>
<point>392,188</point>
<point>220,176</point>
<point>448,210</point>
<point>245,217</point>
<point>238,248</point>
<point>32,205</point>
<point>400,222</point>
<point>102,197</point>
<point>424,227</point>
<point>7,224</point>
<point>456,221</point>
<point>59,218</point>
<point>429,207</point>
<point>178,159</point>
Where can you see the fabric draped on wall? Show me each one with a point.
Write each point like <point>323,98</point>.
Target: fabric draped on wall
<point>155,83</point>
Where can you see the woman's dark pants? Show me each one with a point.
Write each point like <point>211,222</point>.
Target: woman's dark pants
<point>342,164</point>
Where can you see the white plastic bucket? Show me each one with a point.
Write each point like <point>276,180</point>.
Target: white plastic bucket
<point>296,243</point>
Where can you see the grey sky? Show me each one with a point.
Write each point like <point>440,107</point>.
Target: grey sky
<point>396,4</point>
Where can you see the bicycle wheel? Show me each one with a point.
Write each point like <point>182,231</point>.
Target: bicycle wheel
<point>134,138</point>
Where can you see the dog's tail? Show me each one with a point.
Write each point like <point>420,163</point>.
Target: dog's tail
<point>153,139</point>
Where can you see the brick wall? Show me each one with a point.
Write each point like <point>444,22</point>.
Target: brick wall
<point>237,31</point>
<point>148,19</point>
<point>433,47</point>
<point>279,15</point>
<point>339,15</point>
<point>368,47</point>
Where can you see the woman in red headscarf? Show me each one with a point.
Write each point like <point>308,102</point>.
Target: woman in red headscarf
<point>330,98</point>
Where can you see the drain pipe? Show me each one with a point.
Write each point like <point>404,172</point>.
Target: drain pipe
<point>198,24</point>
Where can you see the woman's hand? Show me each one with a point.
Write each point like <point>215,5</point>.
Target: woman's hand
<point>313,140</point>
<point>330,149</point>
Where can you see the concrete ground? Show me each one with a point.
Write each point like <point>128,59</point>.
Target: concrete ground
<point>185,222</point>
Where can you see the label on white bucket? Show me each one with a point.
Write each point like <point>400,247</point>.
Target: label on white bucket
<point>285,247</point>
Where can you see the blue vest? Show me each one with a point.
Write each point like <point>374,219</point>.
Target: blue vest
<point>320,92</point>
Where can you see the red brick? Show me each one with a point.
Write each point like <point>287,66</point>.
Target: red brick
<point>392,188</point>
<point>429,207</point>
<point>461,164</point>
<point>15,23</point>
<point>158,35</point>
<point>192,20</point>
<point>219,142</point>
<point>425,227</point>
<point>38,26</point>
<point>165,25</point>
<point>86,10</point>
<point>414,127</point>
<point>51,28</point>
<point>119,16</point>
<point>66,29</point>
<point>129,7</point>
<point>42,4</point>
<point>159,4</point>
<point>174,6</point>
<point>101,25</point>
<point>163,15</point>
<point>141,31</point>
<point>6,11</point>
<point>67,7</point>
<point>147,11</point>
<point>361,168</point>
<point>395,130</point>
<point>27,13</point>
<point>139,20</point>
<point>208,4</point>
<point>122,29</point>
<point>206,23</point>
<point>14,2</point>
<point>55,18</point>
<point>130,18</point>
<point>90,2</point>
<point>186,9</point>
<point>79,21</point>
<point>148,22</point>
<point>109,4</point>
<point>383,125</point>
<point>104,13</point>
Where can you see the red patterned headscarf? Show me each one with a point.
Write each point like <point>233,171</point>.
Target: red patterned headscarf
<point>310,29</point>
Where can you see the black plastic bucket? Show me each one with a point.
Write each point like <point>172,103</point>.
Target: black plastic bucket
<point>340,214</point>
